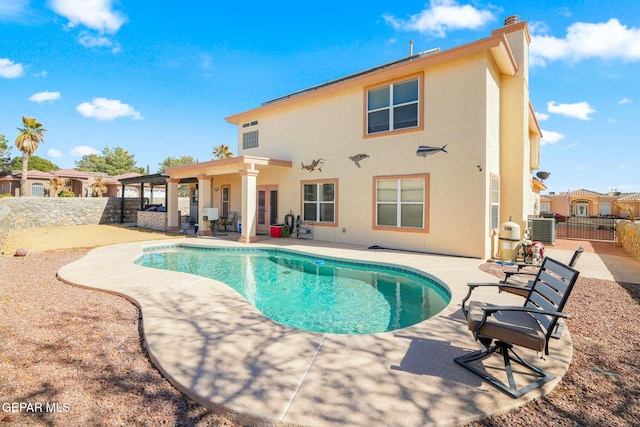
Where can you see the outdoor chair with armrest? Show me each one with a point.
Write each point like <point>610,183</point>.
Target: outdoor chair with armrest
<point>228,220</point>
<point>521,280</point>
<point>501,328</point>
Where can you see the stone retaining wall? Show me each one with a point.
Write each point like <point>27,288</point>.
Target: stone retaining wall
<point>628,234</point>
<point>5,224</point>
<point>25,212</point>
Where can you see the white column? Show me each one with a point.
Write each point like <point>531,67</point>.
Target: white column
<point>204,201</point>
<point>173,218</point>
<point>249,208</point>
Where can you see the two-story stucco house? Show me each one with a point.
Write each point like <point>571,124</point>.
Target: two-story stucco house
<point>349,156</point>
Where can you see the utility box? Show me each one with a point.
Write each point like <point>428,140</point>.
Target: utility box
<point>210,214</point>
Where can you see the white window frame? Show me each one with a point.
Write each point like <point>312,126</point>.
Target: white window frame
<point>494,201</point>
<point>391,107</point>
<point>37,189</point>
<point>319,203</point>
<point>250,140</point>
<point>399,203</point>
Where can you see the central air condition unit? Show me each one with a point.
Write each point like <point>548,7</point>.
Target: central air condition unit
<point>543,230</point>
<point>210,214</point>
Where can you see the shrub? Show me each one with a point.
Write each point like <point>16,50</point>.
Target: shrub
<point>66,193</point>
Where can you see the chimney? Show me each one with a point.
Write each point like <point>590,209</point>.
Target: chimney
<point>510,20</point>
<point>410,47</point>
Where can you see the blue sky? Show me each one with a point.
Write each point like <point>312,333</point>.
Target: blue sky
<point>158,78</point>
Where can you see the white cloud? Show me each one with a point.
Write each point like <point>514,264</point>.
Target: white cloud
<point>607,40</point>
<point>89,40</point>
<point>579,110</point>
<point>94,14</point>
<point>107,109</point>
<point>550,137</point>
<point>45,96</point>
<point>41,74</point>
<point>10,70</point>
<point>83,150</point>
<point>13,8</point>
<point>55,154</point>
<point>625,100</point>
<point>542,116</point>
<point>441,16</point>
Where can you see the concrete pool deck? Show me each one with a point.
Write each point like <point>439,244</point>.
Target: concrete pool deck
<point>220,351</point>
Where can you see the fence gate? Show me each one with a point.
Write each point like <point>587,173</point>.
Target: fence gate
<point>587,228</point>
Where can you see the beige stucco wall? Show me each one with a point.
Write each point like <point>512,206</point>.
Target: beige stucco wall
<point>462,100</point>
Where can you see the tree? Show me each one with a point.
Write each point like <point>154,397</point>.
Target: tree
<point>35,163</point>
<point>171,162</point>
<point>112,162</point>
<point>27,141</point>
<point>56,183</point>
<point>5,152</point>
<point>222,152</point>
<point>99,187</point>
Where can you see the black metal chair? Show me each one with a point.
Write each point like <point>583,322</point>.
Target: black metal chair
<point>501,328</point>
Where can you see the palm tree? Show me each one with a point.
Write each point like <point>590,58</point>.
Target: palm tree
<point>27,141</point>
<point>222,152</point>
<point>99,187</point>
<point>57,183</point>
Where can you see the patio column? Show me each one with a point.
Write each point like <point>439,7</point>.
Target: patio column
<point>173,216</point>
<point>204,201</point>
<point>249,208</point>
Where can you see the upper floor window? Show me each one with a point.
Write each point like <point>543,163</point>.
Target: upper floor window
<point>393,107</point>
<point>250,139</point>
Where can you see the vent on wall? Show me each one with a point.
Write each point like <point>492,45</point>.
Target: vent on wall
<point>543,230</point>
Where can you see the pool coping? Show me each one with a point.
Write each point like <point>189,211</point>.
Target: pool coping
<point>220,351</point>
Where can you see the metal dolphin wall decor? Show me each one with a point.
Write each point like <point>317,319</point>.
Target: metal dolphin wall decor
<point>316,164</point>
<point>424,150</point>
<point>357,158</point>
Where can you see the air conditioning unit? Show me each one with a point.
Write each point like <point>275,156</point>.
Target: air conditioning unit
<point>543,230</point>
<point>210,214</point>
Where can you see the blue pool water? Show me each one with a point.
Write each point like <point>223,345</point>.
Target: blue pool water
<point>316,294</point>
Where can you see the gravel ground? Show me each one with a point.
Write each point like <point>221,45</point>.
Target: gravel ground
<point>76,355</point>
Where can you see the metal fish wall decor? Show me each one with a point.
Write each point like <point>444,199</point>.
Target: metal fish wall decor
<point>316,164</point>
<point>357,158</point>
<point>424,150</point>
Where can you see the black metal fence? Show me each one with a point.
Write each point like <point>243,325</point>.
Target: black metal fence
<point>587,228</point>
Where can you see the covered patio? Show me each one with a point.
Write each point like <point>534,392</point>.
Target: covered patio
<point>240,174</point>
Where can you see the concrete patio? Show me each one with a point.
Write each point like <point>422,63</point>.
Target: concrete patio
<point>218,349</point>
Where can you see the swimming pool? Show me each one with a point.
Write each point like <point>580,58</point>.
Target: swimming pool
<point>315,294</point>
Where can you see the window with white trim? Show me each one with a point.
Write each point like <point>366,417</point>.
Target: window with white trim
<point>400,202</point>
<point>495,202</point>
<point>37,189</point>
<point>393,107</point>
<point>319,202</point>
<point>250,139</point>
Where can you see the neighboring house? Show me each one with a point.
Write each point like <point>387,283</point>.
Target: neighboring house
<point>38,183</point>
<point>586,203</point>
<point>344,155</point>
<point>76,182</point>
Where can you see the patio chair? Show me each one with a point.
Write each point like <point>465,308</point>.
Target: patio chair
<point>228,220</point>
<point>522,280</point>
<point>501,328</point>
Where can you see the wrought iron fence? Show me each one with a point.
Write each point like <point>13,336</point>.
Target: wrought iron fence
<point>587,228</point>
